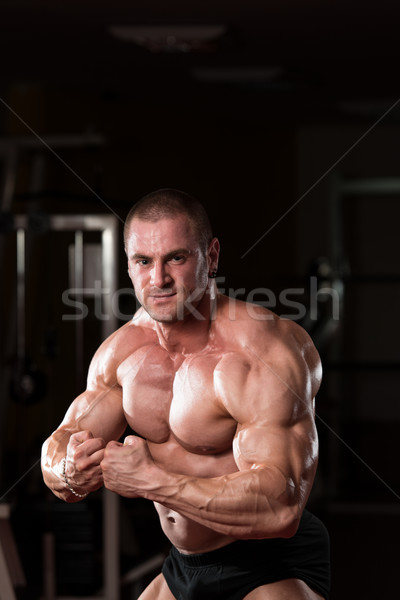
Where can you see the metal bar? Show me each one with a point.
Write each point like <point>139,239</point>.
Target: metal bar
<point>55,141</point>
<point>78,284</point>
<point>109,276</point>
<point>74,222</point>
<point>385,185</point>
<point>110,500</point>
<point>7,590</point>
<point>111,545</point>
<point>9,179</point>
<point>21,296</point>
<point>49,566</point>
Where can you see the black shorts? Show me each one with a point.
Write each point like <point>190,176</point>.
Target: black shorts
<point>233,571</point>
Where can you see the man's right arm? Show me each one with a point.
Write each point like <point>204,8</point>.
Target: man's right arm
<point>71,456</point>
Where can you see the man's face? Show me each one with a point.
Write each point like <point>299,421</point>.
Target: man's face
<point>168,270</point>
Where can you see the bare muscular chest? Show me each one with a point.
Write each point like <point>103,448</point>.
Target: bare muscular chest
<point>174,401</point>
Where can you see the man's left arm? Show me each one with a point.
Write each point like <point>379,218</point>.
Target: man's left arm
<point>275,449</point>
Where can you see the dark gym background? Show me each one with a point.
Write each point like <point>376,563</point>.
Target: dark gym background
<point>282,117</point>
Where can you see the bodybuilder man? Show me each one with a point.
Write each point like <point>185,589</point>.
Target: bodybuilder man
<point>220,394</point>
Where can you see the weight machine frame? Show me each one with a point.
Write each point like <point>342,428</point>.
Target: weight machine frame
<point>107,225</point>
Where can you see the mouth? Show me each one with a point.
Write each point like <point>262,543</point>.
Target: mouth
<point>162,297</point>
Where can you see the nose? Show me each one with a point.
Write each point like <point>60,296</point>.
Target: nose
<point>159,275</point>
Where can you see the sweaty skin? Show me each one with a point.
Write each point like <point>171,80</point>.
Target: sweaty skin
<point>219,393</point>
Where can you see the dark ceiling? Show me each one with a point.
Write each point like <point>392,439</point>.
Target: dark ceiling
<point>293,58</point>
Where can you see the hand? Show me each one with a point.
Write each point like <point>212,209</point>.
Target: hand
<point>128,468</point>
<point>84,455</point>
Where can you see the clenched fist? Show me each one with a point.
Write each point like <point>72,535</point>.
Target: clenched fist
<point>84,455</point>
<point>128,468</point>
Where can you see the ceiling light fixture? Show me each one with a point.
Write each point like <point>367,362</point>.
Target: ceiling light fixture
<point>171,38</point>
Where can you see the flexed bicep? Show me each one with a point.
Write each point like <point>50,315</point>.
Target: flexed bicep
<point>271,400</point>
<point>286,454</point>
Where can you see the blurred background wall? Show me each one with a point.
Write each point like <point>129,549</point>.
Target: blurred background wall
<point>284,119</point>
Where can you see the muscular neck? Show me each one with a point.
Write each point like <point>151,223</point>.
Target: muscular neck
<point>192,334</point>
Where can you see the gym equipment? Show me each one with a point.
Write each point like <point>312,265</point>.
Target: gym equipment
<point>11,574</point>
<point>28,384</point>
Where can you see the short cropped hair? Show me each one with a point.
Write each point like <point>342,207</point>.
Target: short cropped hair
<point>167,203</point>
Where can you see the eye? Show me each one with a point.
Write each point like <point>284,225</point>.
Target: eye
<point>178,258</point>
<point>143,262</point>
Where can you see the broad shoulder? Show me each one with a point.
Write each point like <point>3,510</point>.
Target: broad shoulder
<point>121,344</point>
<point>260,339</point>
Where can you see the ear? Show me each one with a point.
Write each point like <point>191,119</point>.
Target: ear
<point>213,255</point>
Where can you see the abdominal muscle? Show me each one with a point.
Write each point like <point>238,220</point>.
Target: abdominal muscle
<point>188,536</point>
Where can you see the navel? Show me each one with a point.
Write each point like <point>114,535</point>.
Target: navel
<point>205,449</point>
